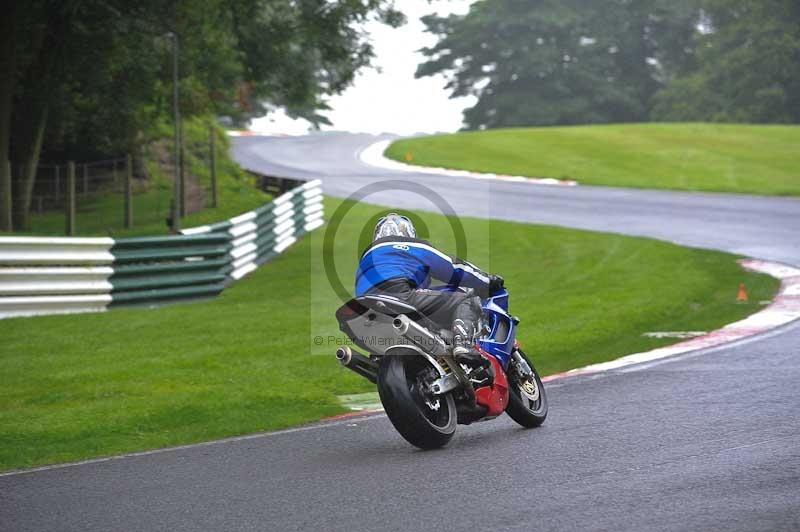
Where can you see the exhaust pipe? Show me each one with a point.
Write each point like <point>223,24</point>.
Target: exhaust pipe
<point>358,363</point>
<point>401,325</point>
<point>419,336</point>
<point>344,356</point>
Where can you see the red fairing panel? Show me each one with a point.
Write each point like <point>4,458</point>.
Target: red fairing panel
<point>494,397</point>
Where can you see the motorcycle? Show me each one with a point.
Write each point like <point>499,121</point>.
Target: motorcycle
<point>424,390</point>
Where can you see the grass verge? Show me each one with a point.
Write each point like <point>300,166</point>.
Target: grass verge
<point>755,159</point>
<point>99,384</point>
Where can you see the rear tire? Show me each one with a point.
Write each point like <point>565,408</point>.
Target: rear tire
<point>527,402</point>
<point>424,421</point>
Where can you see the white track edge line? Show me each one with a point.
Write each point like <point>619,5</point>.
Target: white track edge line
<point>780,329</point>
<point>784,310</point>
<point>316,425</point>
<point>372,155</point>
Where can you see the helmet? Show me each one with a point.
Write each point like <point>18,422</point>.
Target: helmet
<point>394,224</point>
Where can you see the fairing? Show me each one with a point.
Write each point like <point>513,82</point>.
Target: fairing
<point>503,328</point>
<point>494,397</point>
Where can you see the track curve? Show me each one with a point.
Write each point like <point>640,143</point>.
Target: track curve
<point>703,441</point>
<point>761,227</point>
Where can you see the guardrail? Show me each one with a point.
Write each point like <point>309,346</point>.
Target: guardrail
<point>153,269</point>
<point>259,235</point>
<point>40,275</point>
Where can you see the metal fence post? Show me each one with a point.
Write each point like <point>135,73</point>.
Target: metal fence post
<point>213,164</point>
<point>184,207</point>
<point>58,184</point>
<point>70,210</point>
<point>7,223</point>
<point>129,191</point>
<point>85,179</point>
<point>177,197</point>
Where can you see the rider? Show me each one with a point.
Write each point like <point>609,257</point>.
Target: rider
<point>397,263</point>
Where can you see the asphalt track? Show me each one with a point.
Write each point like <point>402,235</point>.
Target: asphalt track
<point>703,441</point>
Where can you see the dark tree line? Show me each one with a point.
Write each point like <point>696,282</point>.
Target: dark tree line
<point>547,62</point>
<point>84,79</point>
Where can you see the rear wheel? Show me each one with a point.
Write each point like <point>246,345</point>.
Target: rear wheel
<point>527,402</point>
<point>424,420</point>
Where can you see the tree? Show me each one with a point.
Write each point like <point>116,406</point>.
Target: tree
<point>543,62</point>
<point>88,78</point>
<point>748,66</point>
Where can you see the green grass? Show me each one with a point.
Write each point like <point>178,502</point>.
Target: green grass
<point>755,159</point>
<point>102,214</point>
<point>129,379</point>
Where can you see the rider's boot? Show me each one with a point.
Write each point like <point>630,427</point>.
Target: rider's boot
<point>466,354</point>
<point>464,349</point>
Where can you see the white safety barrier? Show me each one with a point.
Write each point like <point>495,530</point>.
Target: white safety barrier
<point>259,235</point>
<point>43,275</point>
<point>53,280</point>
<point>40,275</point>
<point>56,250</point>
<point>40,305</point>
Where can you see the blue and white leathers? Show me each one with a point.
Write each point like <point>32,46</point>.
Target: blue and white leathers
<point>397,257</point>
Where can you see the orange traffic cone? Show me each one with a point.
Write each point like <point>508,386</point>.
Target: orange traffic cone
<point>409,157</point>
<point>742,295</point>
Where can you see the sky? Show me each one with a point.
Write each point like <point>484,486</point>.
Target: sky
<point>391,100</point>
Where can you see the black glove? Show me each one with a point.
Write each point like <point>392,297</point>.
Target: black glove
<point>496,283</point>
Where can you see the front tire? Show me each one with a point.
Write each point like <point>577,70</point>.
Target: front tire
<point>424,421</point>
<point>527,402</point>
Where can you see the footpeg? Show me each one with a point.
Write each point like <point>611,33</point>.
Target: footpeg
<point>481,376</point>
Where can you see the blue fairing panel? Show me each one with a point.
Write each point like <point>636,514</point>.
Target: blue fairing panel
<point>501,338</point>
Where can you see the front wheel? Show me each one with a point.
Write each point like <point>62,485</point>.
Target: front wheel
<point>527,402</point>
<point>424,420</point>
